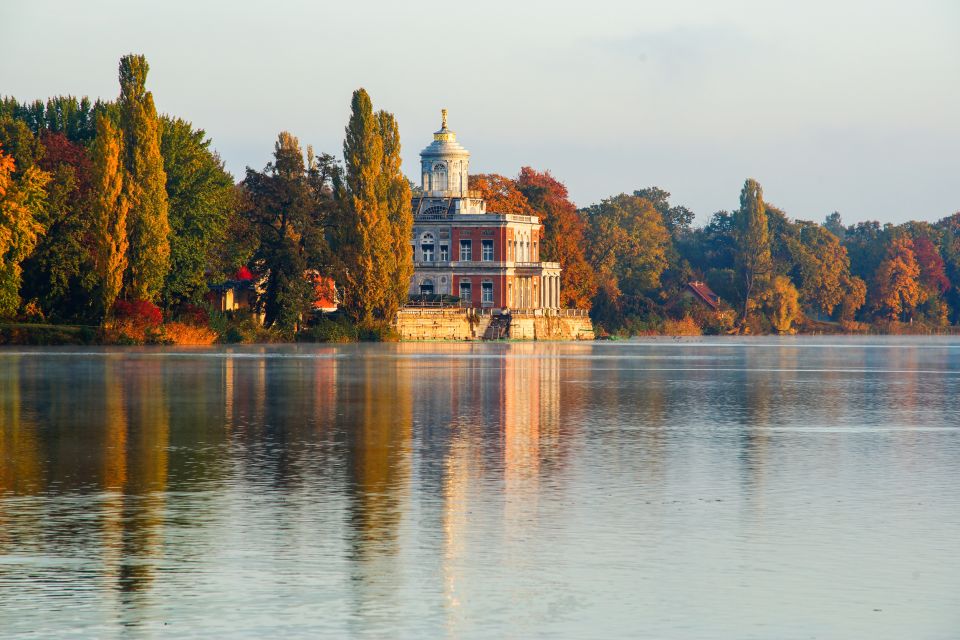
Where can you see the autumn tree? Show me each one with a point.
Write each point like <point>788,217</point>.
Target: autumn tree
<point>782,303</point>
<point>628,250</point>
<point>201,197</point>
<point>753,259</point>
<point>933,280</point>
<point>22,202</point>
<point>60,274</point>
<point>501,194</point>
<point>396,197</point>
<point>149,226</point>
<point>897,281</point>
<point>109,210</point>
<point>821,267</point>
<point>564,238</point>
<point>676,218</point>
<point>854,297</point>
<point>374,233</point>
<point>290,206</point>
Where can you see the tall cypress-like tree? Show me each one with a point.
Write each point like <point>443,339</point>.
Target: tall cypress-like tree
<point>109,207</point>
<point>396,196</point>
<point>146,188</point>
<point>366,234</point>
<point>753,242</point>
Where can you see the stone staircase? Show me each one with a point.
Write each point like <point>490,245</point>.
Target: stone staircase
<point>498,329</point>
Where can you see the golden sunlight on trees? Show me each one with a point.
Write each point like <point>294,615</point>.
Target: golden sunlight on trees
<point>377,219</point>
<point>146,185</point>
<point>782,303</point>
<point>753,242</point>
<point>22,202</point>
<point>564,235</point>
<point>109,207</point>
<point>898,281</point>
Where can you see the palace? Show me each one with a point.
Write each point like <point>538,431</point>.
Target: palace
<point>486,259</point>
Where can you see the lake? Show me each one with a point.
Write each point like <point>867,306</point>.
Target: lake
<point>700,488</point>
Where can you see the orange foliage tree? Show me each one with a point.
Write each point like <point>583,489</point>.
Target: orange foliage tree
<point>897,281</point>
<point>564,235</point>
<point>501,194</point>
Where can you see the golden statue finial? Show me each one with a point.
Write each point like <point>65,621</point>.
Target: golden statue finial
<point>443,113</point>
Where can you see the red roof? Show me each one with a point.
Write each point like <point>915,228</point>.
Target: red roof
<point>243,273</point>
<point>325,292</point>
<point>704,292</point>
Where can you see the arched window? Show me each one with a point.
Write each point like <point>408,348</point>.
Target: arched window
<point>426,248</point>
<point>434,212</point>
<point>439,181</point>
<point>426,287</point>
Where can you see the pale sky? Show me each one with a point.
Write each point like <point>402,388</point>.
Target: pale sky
<point>848,105</point>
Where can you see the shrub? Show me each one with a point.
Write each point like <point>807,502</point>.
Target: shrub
<point>194,315</point>
<point>188,334</point>
<point>327,330</point>
<point>686,326</point>
<point>140,312</point>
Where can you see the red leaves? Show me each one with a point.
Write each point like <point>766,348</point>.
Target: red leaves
<point>138,311</point>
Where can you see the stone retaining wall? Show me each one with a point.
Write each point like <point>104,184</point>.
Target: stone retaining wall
<point>458,324</point>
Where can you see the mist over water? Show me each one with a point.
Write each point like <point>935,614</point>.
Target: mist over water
<point>755,488</point>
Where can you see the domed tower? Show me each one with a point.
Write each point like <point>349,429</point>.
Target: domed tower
<point>444,165</point>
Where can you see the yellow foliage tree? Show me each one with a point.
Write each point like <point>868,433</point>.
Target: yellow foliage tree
<point>109,207</point>
<point>22,201</point>
<point>782,301</point>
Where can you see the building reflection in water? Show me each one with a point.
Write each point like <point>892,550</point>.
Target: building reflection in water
<point>520,399</point>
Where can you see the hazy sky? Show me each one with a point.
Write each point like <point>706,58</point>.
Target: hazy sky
<point>831,104</point>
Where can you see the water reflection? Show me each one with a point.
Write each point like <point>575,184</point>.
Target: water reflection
<point>425,489</point>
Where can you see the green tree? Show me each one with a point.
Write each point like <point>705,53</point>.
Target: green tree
<point>60,275</point>
<point>201,198</point>
<point>289,205</point>
<point>628,244</point>
<point>753,243</point>
<point>109,210</point>
<point>677,218</point>
<point>149,227</point>
<point>834,224</point>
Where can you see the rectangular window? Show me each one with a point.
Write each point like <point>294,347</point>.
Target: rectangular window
<point>487,248</point>
<point>466,250</point>
<point>427,250</point>
<point>444,253</point>
<point>465,291</point>
<point>486,291</point>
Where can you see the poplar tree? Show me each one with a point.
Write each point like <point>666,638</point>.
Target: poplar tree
<point>396,196</point>
<point>109,207</point>
<point>366,232</point>
<point>145,190</point>
<point>752,236</point>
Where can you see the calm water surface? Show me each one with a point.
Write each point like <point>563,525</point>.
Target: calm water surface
<point>761,488</point>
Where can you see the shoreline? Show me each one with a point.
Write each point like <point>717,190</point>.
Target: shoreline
<point>54,335</point>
